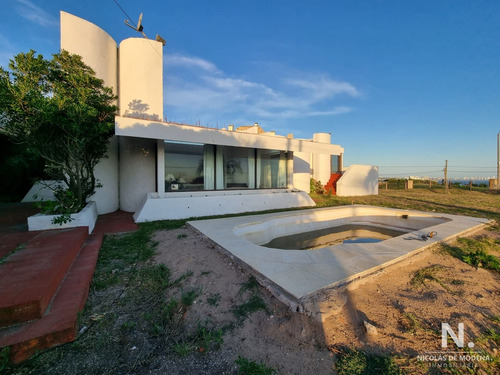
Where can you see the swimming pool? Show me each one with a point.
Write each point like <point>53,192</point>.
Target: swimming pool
<point>293,275</point>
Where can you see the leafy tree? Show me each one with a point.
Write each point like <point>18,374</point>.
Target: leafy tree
<point>58,109</point>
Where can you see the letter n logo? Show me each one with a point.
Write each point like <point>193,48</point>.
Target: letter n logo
<point>446,329</point>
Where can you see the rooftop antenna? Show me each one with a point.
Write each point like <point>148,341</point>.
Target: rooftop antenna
<point>139,28</point>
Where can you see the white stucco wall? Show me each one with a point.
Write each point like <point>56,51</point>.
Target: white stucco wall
<point>99,51</point>
<point>302,171</point>
<point>141,79</point>
<point>321,162</point>
<point>106,197</point>
<point>137,171</point>
<point>358,180</point>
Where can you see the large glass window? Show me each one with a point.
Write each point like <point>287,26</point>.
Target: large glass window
<point>238,168</point>
<point>335,163</point>
<point>193,166</point>
<point>184,166</point>
<point>271,169</point>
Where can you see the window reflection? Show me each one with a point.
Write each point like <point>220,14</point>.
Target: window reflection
<point>193,166</point>
<point>184,167</point>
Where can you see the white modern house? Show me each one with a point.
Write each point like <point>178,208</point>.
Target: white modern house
<point>161,170</point>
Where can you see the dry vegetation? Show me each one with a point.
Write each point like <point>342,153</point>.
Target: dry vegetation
<point>165,301</point>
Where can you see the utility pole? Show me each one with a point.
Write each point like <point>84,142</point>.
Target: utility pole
<point>498,160</point>
<point>446,177</point>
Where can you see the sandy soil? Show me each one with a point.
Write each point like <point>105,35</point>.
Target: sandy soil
<point>407,317</point>
<point>291,343</point>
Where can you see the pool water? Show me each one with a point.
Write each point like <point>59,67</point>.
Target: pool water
<point>317,239</point>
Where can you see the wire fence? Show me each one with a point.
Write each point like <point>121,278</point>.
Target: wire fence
<point>408,184</point>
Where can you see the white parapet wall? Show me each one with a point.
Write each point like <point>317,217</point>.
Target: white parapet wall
<point>358,180</point>
<point>185,205</point>
<point>85,218</point>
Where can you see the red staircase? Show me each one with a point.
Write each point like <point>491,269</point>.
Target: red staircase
<point>331,186</point>
<point>43,287</point>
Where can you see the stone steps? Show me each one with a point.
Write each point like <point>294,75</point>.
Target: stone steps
<point>29,278</point>
<point>58,322</point>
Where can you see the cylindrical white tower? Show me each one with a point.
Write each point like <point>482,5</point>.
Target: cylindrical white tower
<point>99,51</point>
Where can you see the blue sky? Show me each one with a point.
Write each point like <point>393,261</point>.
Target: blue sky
<point>404,85</point>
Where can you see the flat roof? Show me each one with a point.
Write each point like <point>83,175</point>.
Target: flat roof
<point>132,127</point>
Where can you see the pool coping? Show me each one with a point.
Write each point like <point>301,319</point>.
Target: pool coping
<point>297,276</point>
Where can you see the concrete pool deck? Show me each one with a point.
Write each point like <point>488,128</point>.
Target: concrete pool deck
<point>292,275</point>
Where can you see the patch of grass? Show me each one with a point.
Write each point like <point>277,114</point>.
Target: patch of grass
<point>207,339</point>
<point>411,323</point>
<point>251,285</point>
<point>128,326</point>
<point>214,300</point>
<point>154,278</point>
<point>458,202</point>
<point>182,277</point>
<point>94,337</point>
<point>491,334</point>
<point>495,227</point>
<point>475,252</point>
<point>247,367</point>
<point>203,340</point>
<point>496,319</point>
<point>357,362</point>
<point>181,236</point>
<point>243,311</point>
<point>204,273</point>
<point>162,316</point>
<point>4,359</point>
<point>183,349</point>
<point>119,253</point>
<point>127,249</point>
<point>188,297</point>
<point>427,274</point>
<point>481,259</point>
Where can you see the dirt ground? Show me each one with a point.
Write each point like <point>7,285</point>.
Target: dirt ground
<point>211,312</point>
<point>289,342</point>
<point>407,315</point>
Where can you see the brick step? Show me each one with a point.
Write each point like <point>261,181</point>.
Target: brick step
<point>29,278</point>
<point>10,241</point>
<point>59,323</point>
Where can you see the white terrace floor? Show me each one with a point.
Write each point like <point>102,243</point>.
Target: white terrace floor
<point>298,273</point>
